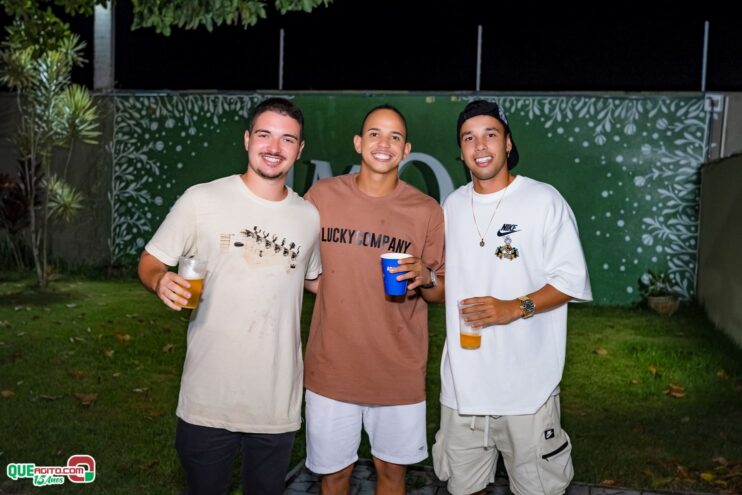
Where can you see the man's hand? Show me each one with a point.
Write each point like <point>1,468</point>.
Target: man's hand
<point>171,288</point>
<point>485,311</point>
<point>168,286</point>
<point>417,273</point>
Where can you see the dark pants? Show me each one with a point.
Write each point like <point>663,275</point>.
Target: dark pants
<point>207,455</point>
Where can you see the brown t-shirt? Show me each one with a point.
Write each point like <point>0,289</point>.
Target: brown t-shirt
<point>363,347</point>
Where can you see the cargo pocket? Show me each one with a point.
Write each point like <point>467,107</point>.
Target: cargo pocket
<point>555,464</point>
<point>441,465</point>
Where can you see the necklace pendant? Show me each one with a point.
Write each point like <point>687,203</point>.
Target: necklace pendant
<point>481,243</point>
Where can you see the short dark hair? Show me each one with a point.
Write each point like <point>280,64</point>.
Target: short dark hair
<point>281,106</point>
<point>385,106</point>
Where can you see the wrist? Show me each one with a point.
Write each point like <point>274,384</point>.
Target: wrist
<point>526,306</point>
<point>516,312</point>
<point>158,280</point>
<point>433,280</point>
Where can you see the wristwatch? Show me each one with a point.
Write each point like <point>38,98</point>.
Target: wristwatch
<point>433,281</point>
<point>527,307</point>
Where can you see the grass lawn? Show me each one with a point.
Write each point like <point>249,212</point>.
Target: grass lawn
<point>93,367</point>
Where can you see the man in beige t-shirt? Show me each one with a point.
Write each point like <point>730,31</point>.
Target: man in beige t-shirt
<point>242,376</point>
<point>367,352</point>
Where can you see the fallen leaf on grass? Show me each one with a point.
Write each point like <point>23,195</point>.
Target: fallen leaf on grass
<point>152,415</point>
<point>123,337</point>
<point>108,353</point>
<point>707,476</point>
<point>608,482</point>
<point>682,472</point>
<point>71,305</point>
<point>140,390</point>
<point>652,371</point>
<point>600,351</point>
<point>117,374</point>
<point>662,482</point>
<point>6,394</point>
<point>50,397</point>
<point>722,374</point>
<point>168,347</point>
<point>721,461</point>
<point>676,391</point>
<point>87,400</point>
<point>149,465</point>
<point>730,471</point>
<point>78,374</point>
<point>633,381</point>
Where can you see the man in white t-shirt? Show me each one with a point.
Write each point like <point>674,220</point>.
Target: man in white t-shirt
<point>242,377</point>
<point>513,261</point>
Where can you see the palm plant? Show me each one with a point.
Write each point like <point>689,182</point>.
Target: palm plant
<point>54,114</point>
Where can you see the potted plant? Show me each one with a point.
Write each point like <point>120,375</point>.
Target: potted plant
<point>658,290</point>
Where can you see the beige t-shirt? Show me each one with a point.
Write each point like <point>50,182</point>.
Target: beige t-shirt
<point>243,366</point>
<point>363,347</point>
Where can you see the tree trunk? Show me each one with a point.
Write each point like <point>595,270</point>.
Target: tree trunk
<point>31,176</point>
<point>44,234</point>
<point>30,164</point>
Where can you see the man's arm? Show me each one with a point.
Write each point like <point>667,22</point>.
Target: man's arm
<point>167,285</point>
<point>486,311</point>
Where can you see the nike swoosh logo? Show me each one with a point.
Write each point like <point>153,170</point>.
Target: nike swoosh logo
<point>501,232</point>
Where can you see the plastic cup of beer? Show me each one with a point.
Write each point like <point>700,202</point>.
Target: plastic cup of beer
<point>194,271</point>
<point>470,338</point>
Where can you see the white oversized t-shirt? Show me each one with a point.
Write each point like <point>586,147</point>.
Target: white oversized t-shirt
<point>520,364</point>
<point>243,368</point>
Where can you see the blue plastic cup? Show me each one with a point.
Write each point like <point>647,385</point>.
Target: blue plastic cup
<point>393,287</point>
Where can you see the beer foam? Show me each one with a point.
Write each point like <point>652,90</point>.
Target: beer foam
<point>191,269</point>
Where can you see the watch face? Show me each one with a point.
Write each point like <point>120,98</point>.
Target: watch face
<point>528,306</point>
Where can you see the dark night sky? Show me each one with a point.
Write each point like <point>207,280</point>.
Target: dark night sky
<point>418,46</point>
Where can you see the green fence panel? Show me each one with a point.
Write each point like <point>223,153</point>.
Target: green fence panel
<point>628,165</point>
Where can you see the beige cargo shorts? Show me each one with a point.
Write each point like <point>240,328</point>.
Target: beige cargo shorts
<point>535,450</point>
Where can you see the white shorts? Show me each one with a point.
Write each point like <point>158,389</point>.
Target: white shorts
<point>535,449</point>
<point>397,433</point>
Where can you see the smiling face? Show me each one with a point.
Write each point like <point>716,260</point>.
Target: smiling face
<point>273,145</point>
<point>485,147</point>
<point>383,142</point>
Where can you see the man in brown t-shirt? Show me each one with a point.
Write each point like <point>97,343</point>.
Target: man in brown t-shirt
<point>366,357</point>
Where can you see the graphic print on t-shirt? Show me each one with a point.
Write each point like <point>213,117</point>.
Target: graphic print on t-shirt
<point>261,248</point>
<point>342,235</point>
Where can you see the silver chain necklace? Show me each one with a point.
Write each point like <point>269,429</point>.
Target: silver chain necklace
<point>474,217</point>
